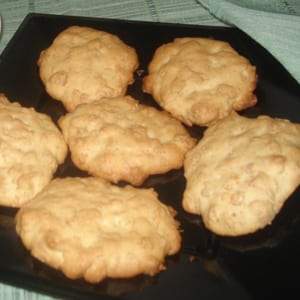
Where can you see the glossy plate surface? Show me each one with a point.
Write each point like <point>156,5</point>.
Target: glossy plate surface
<point>264,265</point>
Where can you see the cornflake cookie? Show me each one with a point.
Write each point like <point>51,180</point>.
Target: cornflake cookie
<point>84,64</point>
<point>87,227</point>
<point>200,80</point>
<point>31,148</point>
<point>241,173</point>
<point>121,140</point>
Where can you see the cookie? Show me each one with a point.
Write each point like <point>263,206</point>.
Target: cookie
<point>88,228</point>
<point>121,140</point>
<point>84,64</point>
<point>200,80</point>
<point>242,172</point>
<point>31,148</point>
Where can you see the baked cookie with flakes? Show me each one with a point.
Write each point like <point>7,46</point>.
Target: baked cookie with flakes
<point>84,64</point>
<point>200,80</point>
<point>241,173</point>
<point>31,148</point>
<point>88,228</point>
<point>120,139</point>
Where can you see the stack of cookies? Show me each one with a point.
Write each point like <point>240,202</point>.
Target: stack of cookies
<point>238,175</point>
<point>91,227</point>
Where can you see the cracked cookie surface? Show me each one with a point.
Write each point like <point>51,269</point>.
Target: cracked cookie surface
<point>84,64</point>
<point>200,80</point>
<point>241,173</point>
<point>120,139</point>
<point>31,148</point>
<point>88,228</point>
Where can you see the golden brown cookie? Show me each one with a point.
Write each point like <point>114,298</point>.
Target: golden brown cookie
<point>84,64</point>
<point>87,227</point>
<point>241,173</point>
<point>121,140</point>
<point>31,148</point>
<point>200,80</point>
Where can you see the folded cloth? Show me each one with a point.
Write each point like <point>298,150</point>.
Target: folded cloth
<point>273,24</point>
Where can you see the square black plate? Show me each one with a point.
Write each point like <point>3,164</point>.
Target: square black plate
<point>264,265</point>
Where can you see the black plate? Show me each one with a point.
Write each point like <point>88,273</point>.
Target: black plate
<point>264,265</point>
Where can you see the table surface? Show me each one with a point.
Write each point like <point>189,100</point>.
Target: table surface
<point>174,11</point>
